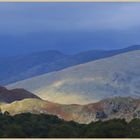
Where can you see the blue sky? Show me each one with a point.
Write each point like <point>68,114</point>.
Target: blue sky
<point>68,27</point>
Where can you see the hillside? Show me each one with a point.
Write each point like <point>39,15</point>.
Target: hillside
<point>22,67</point>
<point>8,96</point>
<point>112,108</point>
<point>118,75</point>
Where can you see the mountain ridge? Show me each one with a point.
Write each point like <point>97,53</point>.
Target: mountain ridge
<point>48,61</point>
<point>114,108</point>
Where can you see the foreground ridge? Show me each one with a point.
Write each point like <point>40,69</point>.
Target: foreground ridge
<point>118,107</point>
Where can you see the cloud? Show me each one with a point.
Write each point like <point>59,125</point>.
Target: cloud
<point>22,18</point>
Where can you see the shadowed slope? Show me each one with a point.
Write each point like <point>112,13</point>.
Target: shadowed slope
<point>8,96</point>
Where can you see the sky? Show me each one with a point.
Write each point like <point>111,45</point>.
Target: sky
<point>67,27</point>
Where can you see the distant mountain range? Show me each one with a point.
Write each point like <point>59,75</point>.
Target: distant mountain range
<point>22,67</point>
<point>118,75</point>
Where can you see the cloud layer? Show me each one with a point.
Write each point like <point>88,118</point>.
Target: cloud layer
<point>68,27</point>
<point>33,17</point>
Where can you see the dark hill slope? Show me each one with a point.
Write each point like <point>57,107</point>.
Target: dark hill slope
<point>8,96</point>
